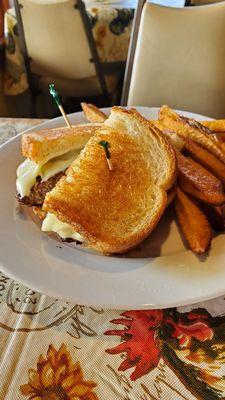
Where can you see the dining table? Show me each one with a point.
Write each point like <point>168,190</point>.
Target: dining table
<point>52,349</point>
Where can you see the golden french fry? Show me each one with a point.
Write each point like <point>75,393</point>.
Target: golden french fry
<point>198,181</point>
<point>193,223</point>
<point>189,188</point>
<point>214,216</point>
<point>92,113</point>
<point>217,125</point>
<point>206,159</point>
<point>188,128</point>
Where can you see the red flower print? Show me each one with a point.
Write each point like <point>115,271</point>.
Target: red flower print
<point>140,341</point>
<point>197,328</point>
<point>146,331</point>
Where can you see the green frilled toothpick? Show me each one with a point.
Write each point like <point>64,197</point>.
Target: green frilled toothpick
<point>57,99</point>
<point>106,146</point>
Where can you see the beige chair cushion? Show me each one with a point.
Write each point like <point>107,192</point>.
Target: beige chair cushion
<point>55,39</point>
<point>58,47</point>
<point>204,2</point>
<point>180,59</point>
<point>79,87</point>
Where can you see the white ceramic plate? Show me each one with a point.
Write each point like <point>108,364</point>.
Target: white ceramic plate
<point>160,273</point>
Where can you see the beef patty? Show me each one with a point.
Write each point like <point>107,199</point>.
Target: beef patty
<point>39,190</point>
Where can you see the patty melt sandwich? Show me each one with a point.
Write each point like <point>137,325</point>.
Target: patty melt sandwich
<point>112,210</point>
<point>48,154</point>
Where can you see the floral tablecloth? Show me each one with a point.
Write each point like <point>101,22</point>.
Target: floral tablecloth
<point>111,25</point>
<point>51,349</point>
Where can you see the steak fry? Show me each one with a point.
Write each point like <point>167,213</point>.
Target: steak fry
<point>188,187</point>
<point>193,175</point>
<point>93,113</point>
<point>206,159</point>
<point>193,223</point>
<point>188,128</point>
<point>215,125</point>
<point>214,216</point>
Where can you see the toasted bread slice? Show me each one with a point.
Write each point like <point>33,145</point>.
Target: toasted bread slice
<point>92,113</point>
<point>115,210</point>
<point>202,180</point>
<point>120,120</point>
<point>193,223</point>
<point>206,159</point>
<point>41,146</point>
<point>191,129</point>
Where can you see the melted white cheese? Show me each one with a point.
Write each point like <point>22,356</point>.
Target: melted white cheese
<point>28,171</point>
<point>52,224</point>
<point>26,177</point>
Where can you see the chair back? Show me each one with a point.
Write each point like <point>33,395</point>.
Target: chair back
<point>204,2</point>
<point>56,40</point>
<point>178,59</point>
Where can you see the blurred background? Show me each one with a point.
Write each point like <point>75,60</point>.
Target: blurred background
<point>82,47</point>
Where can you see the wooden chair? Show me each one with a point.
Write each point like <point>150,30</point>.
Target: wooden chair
<point>177,57</point>
<point>58,46</point>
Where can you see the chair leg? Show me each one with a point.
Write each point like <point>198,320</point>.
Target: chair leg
<point>33,98</point>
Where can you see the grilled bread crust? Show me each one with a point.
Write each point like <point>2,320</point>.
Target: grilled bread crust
<point>115,210</point>
<point>41,146</point>
<point>134,124</point>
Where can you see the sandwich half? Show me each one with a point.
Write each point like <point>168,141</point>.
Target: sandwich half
<point>113,211</point>
<point>48,153</point>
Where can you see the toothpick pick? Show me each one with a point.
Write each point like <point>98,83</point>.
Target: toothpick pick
<point>106,146</point>
<point>65,116</point>
<point>109,164</point>
<point>57,99</point>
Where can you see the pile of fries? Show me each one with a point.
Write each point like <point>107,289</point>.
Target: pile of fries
<point>200,189</point>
